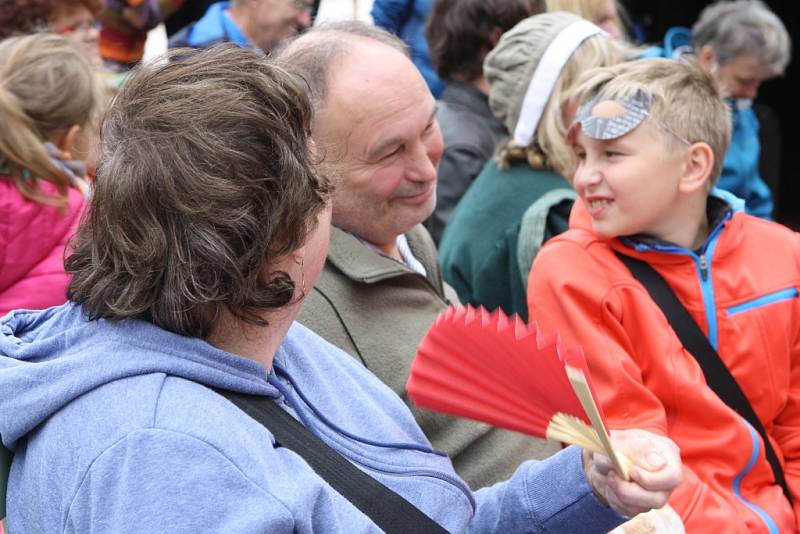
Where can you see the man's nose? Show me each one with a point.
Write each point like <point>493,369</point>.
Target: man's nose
<point>425,163</point>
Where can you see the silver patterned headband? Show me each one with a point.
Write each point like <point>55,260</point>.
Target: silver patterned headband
<point>604,118</point>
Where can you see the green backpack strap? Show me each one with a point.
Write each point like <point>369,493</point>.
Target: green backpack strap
<point>533,226</point>
<point>5,467</point>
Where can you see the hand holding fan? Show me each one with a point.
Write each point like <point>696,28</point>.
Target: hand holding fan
<point>496,369</point>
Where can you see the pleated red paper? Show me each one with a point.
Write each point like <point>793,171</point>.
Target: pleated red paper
<point>492,368</point>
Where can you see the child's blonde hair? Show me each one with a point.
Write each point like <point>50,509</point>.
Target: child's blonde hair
<point>549,149</point>
<point>686,102</point>
<point>46,87</point>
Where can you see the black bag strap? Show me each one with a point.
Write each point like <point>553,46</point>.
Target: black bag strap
<point>387,509</point>
<point>718,376</point>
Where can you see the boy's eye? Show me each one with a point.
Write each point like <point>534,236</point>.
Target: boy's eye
<point>612,153</point>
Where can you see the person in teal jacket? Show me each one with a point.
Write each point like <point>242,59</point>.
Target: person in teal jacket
<point>742,43</point>
<point>521,198</point>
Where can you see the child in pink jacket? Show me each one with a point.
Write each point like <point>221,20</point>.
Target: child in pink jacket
<point>48,92</point>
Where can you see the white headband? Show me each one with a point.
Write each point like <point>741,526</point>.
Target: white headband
<point>544,77</point>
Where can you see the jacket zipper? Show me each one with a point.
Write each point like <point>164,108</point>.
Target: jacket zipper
<point>702,261</point>
<point>765,300</point>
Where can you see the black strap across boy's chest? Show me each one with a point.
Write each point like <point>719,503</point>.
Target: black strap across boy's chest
<point>717,375</point>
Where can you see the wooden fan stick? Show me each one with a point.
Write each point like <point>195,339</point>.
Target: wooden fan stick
<point>569,429</point>
<point>581,387</point>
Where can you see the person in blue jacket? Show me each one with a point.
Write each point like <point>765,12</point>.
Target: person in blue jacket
<point>742,43</point>
<point>407,19</point>
<point>208,227</point>
<point>260,23</point>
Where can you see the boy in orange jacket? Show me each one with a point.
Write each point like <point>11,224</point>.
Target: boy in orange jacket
<point>649,138</point>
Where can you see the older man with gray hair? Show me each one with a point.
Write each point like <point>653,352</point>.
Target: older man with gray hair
<point>381,287</point>
<point>742,43</point>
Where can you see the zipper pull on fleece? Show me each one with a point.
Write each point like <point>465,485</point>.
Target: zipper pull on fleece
<point>703,267</point>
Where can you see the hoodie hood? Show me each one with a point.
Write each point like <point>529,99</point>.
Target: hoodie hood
<point>49,358</point>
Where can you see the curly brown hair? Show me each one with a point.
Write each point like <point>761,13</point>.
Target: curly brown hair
<point>20,17</point>
<point>24,16</point>
<point>205,181</point>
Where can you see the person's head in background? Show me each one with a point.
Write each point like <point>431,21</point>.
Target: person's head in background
<point>75,19</point>
<point>742,43</point>
<point>604,13</point>
<point>48,93</point>
<point>269,22</point>
<point>531,72</point>
<point>461,32</point>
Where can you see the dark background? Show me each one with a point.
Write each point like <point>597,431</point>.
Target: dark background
<point>776,105</point>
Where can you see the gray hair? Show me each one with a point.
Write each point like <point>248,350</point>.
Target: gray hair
<point>742,27</point>
<point>312,54</point>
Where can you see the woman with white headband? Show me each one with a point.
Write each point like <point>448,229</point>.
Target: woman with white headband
<point>522,198</point>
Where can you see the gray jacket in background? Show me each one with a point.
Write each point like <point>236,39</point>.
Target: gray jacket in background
<point>471,135</point>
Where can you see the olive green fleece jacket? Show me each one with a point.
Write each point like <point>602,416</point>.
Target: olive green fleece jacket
<point>378,310</point>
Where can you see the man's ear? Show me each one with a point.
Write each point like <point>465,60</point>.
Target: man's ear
<point>707,58</point>
<point>697,166</point>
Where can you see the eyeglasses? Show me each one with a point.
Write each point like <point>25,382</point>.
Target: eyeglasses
<point>675,134</point>
<point>82,26</point>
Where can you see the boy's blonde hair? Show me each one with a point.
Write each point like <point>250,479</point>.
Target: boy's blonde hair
<point>46,87</point>
<point>686,102</point>
<point>549,149</point>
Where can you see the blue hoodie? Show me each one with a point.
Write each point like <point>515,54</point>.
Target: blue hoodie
<point>115,430</point>
<point>215,26</point>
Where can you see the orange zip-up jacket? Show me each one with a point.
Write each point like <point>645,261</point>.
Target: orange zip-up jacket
<point>741,287</point>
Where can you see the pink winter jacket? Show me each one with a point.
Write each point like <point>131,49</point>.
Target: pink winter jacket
<point>32,241</point>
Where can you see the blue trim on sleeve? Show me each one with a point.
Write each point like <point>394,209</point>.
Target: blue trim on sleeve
<point>771,526</point>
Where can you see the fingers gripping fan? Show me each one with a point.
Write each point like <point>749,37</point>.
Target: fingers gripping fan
<point>499,370</point>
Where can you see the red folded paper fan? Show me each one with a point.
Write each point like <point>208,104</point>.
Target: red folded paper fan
<point>492,368</point>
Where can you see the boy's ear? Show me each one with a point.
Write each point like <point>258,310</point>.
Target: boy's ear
<point>698,162</point>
